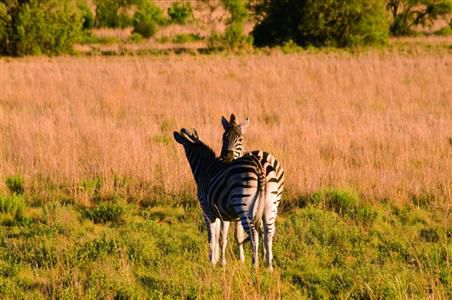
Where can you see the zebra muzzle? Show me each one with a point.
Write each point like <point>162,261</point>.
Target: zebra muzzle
<point>229,156</point>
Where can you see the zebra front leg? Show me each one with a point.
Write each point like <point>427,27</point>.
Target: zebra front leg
<point>224,241</point>
<point>212,236</point>
<point>240,238</point>
<point>216,235</point>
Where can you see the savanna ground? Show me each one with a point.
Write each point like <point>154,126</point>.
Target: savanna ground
<point>107,207</point>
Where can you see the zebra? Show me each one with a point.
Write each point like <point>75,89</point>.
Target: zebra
<point>228,191</point>
<point>232,149</point>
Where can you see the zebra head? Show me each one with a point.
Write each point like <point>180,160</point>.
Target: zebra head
<point>185,137</point>
<point>232,147</point>
<point>198,154</point>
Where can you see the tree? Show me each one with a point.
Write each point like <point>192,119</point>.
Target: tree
<point>180,12</point>
<point>337,23</point>
<point>38,26</point>
<point>407,14</point>
<point>234,36</point>
<point>113,13</point>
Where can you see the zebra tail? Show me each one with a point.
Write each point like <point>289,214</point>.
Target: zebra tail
<point>262,186</point>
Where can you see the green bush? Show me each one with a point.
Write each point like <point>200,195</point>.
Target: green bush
<point>15,184</point>
<point>13,204</point>
<point>234,37</point>
<point>147,19</point>
<point>5,21</point>
<point>429,235</point>
<point>35,27</point>
<point>136,37</point>
<point>335,23</point>
<point>87,15</point>
<point>113,13</point>
<point>180,13</point>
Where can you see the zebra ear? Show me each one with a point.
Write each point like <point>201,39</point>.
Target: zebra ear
<point>195,134</point>
<point>244,125</point>
<point>232,119</point>
<point>224,122</point>
<point>178,137</point>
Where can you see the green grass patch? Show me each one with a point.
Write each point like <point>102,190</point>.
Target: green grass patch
<point>105,213</point>
<point>15,184</point>
<point>328,248</point>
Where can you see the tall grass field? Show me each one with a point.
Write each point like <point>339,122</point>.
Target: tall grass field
<point>97,201</point>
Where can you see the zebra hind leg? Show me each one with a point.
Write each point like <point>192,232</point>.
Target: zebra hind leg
<point>253,235</point>
<point>240,239</point>
<point>269,232</point>
<point>268,241</point>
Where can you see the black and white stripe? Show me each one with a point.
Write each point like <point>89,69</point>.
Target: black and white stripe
<point>227,191</point>
<point>232,149</point>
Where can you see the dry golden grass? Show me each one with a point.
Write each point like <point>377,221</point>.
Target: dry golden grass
<point>381,124</point>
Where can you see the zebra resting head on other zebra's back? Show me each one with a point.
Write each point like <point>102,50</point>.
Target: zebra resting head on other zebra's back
<point>232,147</point>
<point>228,192</point>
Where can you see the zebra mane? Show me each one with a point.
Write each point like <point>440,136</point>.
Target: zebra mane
<point>205,150</point>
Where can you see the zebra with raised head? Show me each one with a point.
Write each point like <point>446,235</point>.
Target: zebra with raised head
<point>232,149</point>
<point>227,191</point>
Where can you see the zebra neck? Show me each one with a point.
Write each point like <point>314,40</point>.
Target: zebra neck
<point>203,166</point>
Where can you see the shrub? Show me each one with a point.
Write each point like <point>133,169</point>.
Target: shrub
<point>136,37</point>
<point>147,18</point>
<point>5,20</point>
<point>180,13</point>
<point>15,184</point>
<point>38,26</point>
<point>13,204</point>
<point>87,15</point>
<point>407,14</point>
<point>429,235</point>
<point>105,212</point>
<point>234,36</point>
<point>113,13</point>
<point>337,23</point>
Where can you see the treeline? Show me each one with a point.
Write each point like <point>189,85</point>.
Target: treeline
<point>53,26</point>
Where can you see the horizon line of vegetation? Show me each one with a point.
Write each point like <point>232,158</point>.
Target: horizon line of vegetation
<point>52,27</point>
